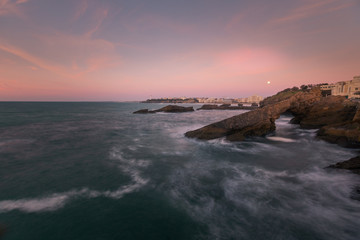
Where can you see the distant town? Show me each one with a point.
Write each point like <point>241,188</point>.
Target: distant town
<point>349,89</point>
<point>250,100</point>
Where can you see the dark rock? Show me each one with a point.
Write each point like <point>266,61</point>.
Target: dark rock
<point>224,105</point>
<point>352,164</point>
<point>169,108</point>
<point>208,107</point>
<point>175,109</point>
<point>326,111</point>
<point>143,111</point>
<point>345,134</point>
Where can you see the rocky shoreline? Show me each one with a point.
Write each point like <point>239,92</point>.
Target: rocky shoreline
<point>337,118</point>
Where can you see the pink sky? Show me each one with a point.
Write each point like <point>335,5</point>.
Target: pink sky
<point>131,50</point>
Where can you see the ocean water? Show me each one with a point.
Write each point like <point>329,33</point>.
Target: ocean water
<point>97,171</point>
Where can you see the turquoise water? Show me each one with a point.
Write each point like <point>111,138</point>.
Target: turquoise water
<point>97,171</point>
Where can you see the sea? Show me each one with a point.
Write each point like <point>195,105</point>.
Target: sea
<point>95,170</point>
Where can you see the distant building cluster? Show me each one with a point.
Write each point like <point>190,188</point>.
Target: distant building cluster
<point>349,89</point>
<point>252,99</point>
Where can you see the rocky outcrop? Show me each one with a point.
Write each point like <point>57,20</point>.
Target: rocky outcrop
<point>143,111</point>
<point>168,109</point>
<point>281,96</point>
<point>175,109</point>
<point>352,164</point>
<point>225,107</point>
<point>328,110</point>
<point>254,123</point>
<point>344,134</point>
<point>337,118</point>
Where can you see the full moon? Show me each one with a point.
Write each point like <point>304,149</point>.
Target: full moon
<point>268,82</point>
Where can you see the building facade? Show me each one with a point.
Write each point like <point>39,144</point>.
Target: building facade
<point>349,89</point>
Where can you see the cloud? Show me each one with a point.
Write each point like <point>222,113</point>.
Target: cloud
<point>83,6</point>
<point>100,16</point>
<point>234,21</point>
<point>30,58</point>
<point>312,9</point>
<point>152,21</point>
<point>8,7</point>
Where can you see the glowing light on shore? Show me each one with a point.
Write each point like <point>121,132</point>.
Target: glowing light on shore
<point>268,82</point>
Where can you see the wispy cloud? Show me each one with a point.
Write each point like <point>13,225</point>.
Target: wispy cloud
<point>31,58</point>
<point>80,11</point>
<point>100,16</point>
<point>311,8</point>
<point>8,7</point>
<point>234,21</point>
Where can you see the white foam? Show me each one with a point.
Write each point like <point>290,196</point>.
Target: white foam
<point>58,200</point>
<point>55,201</point>
<point>281,139</point>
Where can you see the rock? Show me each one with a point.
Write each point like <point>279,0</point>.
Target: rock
<point>254,123</point>
<point>143,111</point>
<point>225,105</point>
<point>169,108</point>
<point>344,134</point>
<point>357,114</point>
<point>208,107</point>
<point>338,118</point>
<point>175,109</point>
<point>352,164</point>
<point>326,111</point>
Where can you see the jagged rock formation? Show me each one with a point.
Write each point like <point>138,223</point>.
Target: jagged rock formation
<point>225,107</point>
<point>337,118</point>
<point>254,123</point>
<point>352,164</point>
<point>345,134</point>
<point>168,109</point>
<point>328,110</point>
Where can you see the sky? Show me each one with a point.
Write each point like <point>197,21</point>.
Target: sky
<point>113,50</point>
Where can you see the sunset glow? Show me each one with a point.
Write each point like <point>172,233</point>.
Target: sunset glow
<point>128,50</point>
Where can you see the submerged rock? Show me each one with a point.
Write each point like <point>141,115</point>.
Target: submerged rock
<point>352,164</point>
<point>169,108</point>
